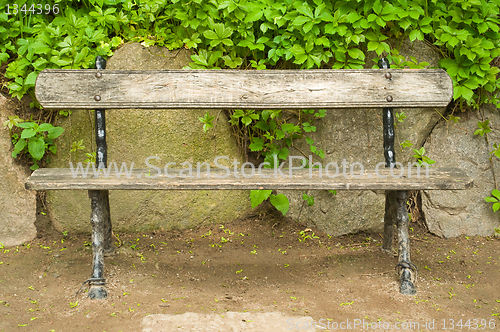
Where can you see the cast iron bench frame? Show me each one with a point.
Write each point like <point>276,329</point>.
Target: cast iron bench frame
<point>298,89</point>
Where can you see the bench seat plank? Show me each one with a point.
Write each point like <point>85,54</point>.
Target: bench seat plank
<point>243,89</point>
<point>62,178</point>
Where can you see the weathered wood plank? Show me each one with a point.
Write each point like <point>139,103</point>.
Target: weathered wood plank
<point>243,89</point>
<point>62,178</point>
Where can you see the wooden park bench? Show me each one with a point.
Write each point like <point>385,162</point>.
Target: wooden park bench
<point>383,88</point>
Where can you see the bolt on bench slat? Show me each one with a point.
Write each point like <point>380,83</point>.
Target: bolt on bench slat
<point>239,89</point>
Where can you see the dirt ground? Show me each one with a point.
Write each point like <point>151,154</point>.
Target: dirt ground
<point>264,263</point>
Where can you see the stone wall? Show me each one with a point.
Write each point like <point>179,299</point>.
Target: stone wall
<point>17,205</point>
<point>453,213</point>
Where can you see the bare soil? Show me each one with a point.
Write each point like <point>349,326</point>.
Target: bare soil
<point>264,263</point>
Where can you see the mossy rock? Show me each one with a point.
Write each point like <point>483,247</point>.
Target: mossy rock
<point>134,135</point>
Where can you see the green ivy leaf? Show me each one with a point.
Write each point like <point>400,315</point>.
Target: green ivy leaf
<point>54,132</point>
<point>453,118</point>
<point>12,121</point>
<point>210,34</point>
<point>308,128</point>
<point>284,152</point>
<point>280,202</point>
<point>207,121</point>
<point>377,7</point>
<point>25,125</point>
<point>356,53</point>
<point>496,193</point>
<point>232,62</point>
<point>36,147</point>
<point>257,144</point>
<point>20,145</point>
<point>254,15</point>
<point>31,79</point>
<point>289,128</point>
<point>28,132</point>
<point>406,144</point>
<point>3,57</point>
<point>416,34</point>
<point>45,127</point>
<point>464,92</point>
<point>262,125</point>
<point>483,128</point>
<point>301,20</point>
<point>308,199</point>
<point>259,196</point>
<point>495,207</point>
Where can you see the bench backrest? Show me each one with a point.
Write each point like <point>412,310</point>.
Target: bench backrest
<point>243,89</point>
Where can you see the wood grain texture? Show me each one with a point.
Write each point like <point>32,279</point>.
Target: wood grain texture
<point>62,178</point>
<point>243,89</point>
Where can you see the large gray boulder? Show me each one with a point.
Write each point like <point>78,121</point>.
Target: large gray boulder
<point>18,207</point>
<point>357,136</point>
<point>453,213</point>
<point>134,135</point>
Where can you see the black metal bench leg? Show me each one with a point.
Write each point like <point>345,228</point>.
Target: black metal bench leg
<point>99,214</point>
<point>102,157</point>
<point>407,270</point>
<point>389,221</point>
<point>101,160</point>
<point>395,205</point>
<point>108,240</point>
<point>100,217</point>
<point>390,161</point>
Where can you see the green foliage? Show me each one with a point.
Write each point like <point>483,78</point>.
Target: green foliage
<point>495,199</point>
<point>304,236</point>
<point>91,156</point>
<point>400,117</point>
<point>308,198</point>
<point>207,121</point>
<point>280,201</point>
<point>405,144</point>
<point>453,118</point>
<point>259,196</point>
<point>75,146</point>
<point>496,150</point>
<point>35,139</point>
<point>483,128</point>
<point>421,159</point>
<point>401,62</point>
<point>246,117</point>
<point>12,121</point>
<point>271,135</point>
